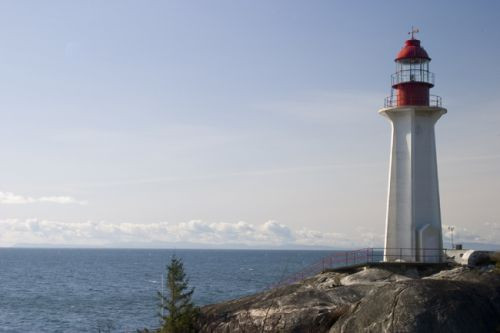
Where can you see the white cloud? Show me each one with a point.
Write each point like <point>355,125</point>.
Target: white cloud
<point>268,234</point>
<point>489,233</point>
<point>210,234</point>
<point>61,200</point>
<point>8,198</point>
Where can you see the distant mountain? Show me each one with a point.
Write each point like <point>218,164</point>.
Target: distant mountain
<point>183,245</point>
<point>53,246</point>
<point>187,245</point>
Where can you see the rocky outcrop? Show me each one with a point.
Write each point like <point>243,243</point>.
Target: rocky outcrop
<point>376,299</point>
<point>377,276</point>
<point>423,306</point>
<point>313,305</point>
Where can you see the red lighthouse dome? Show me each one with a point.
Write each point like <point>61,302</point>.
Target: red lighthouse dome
<point>412,50</point>
<point>412,81</point>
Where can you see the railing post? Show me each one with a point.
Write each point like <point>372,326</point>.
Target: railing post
<point>400,253</point>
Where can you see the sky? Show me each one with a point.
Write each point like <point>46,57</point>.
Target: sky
<point>234,123</point>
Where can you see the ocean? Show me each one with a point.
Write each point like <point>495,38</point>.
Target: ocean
<point>114,290</point>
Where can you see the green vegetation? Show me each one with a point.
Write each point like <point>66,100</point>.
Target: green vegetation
<point>178,313</point>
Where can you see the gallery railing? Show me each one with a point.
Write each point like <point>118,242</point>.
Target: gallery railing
<point>395,100</point>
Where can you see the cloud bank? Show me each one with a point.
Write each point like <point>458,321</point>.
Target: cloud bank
<point>200,233</point>
<point>8,198</point>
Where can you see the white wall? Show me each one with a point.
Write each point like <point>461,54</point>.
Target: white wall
<point>413,210</point>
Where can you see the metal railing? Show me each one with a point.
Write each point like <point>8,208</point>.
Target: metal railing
<point>346,259</point>
<point>394,100</point>
<point>414,255</point>
<point>412,75</point>
<point>335,260</point>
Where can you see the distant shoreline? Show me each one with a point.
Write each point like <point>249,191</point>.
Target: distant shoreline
<point>475,246</point>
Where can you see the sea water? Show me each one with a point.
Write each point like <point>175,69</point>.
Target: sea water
<point>92,290</point>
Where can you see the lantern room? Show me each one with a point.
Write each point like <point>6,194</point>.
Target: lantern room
<point>412,81</point>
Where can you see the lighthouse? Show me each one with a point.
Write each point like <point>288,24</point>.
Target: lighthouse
<point>413,222</point>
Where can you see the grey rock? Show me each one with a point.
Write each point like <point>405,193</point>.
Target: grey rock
<point>376,276</point>
<point>424,306</point>
<point>311,306</point>
<point>460,299</point>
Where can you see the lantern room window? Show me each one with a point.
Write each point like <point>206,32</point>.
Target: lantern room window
<point>412,70</point>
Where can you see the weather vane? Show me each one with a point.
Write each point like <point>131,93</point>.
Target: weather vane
<point>413,32</point>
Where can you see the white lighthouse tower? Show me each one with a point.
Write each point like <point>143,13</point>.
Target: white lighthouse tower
<point>413,225</point>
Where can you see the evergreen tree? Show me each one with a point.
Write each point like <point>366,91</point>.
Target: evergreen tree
<point>180,313</point>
